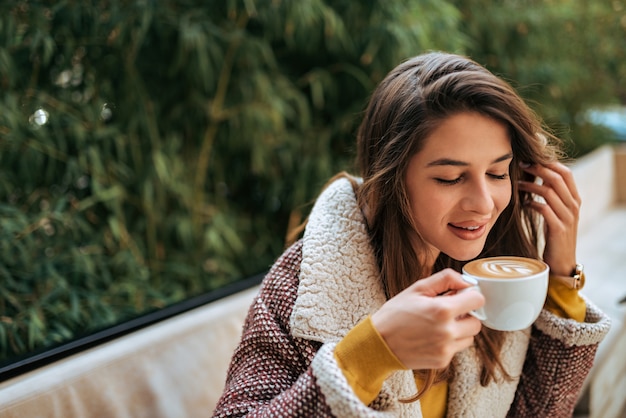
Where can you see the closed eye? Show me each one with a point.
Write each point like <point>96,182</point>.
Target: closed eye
<point>449,182</point>
<point>499,176</point>
<point>459,179</point>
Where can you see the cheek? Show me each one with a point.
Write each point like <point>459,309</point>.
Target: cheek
<point>503,198</point>
<point>429,208</point>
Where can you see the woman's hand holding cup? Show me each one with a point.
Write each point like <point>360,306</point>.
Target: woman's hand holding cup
<point>423,329</point>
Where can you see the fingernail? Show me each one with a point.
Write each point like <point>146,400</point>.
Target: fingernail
<point>524,165</point>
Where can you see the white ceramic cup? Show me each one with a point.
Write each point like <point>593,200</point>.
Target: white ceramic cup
<point>514,288</point>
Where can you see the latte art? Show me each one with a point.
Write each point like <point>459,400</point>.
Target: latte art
<point>504,267</point>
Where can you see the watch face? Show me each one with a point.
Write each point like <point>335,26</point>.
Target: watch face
<point>579,269</point>
<point>579,277</point>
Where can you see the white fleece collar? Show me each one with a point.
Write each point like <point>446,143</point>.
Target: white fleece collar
<point>339,278</point>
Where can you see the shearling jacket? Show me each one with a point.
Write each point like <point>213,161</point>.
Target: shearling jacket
<point>325,284</point>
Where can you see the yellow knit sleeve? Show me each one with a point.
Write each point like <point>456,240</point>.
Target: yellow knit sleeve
<point>565,302</point>
<point>366,360</point>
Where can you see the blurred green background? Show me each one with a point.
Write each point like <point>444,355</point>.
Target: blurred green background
<point>151,150</point>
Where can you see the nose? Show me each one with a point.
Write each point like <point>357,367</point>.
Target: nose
<point>478,198</point>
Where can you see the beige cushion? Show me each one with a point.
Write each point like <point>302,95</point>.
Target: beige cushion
<point>172,369</point>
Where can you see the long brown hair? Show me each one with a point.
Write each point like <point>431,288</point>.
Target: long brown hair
<point>412,100</point>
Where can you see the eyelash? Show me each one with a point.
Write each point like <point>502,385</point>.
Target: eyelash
<point>458,179</point>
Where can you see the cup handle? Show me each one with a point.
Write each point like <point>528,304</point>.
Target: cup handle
<point>477,313</point>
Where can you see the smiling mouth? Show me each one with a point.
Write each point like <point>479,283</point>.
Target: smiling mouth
<point>466,228</point>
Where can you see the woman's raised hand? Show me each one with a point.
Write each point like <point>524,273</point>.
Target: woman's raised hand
<point>560,212</point>
<point>427,323</point>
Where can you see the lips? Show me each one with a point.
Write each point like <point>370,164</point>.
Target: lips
<point>469,226</point>
<point>468,230</point>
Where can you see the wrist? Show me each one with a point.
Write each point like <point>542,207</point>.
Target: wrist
<point>574,280</point>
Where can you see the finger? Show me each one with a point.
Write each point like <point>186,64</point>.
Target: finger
<point>554,204</point>
<point>469,327</point>
<point>568,176</point>
<point>558,189</point>
<point>439,283</point>
<point>552,220</point>
<point>553,191</point>
<point>461,303</point>
<point>462,344</point>
<point>557,177</point>
<point>558,217</point>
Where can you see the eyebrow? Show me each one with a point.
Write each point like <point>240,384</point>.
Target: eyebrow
<point>458,163</point>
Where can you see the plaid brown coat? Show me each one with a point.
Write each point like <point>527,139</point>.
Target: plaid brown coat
<point>325,284</point>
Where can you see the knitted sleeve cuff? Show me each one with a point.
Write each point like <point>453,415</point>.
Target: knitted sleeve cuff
<point>366,360</point>
<point>570,332</point>
<point>339,395</point>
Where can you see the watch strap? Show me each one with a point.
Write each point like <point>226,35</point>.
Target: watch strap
<point>575,281</point>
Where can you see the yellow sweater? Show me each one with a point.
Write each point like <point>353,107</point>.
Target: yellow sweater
<point>367,361</point>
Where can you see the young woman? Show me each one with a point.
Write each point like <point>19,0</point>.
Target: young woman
<point>356,319</point>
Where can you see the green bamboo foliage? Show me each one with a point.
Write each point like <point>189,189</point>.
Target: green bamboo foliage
<point>151,151</point>
<point>565,56</point>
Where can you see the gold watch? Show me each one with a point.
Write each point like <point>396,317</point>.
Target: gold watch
<point>574,281</point>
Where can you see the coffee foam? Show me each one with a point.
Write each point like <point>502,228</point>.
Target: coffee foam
<point>504,267</point>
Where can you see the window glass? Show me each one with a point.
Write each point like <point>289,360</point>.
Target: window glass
<point>155,151</point>
<point>150,152</point>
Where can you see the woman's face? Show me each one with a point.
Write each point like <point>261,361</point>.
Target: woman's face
<point>459,184</point>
